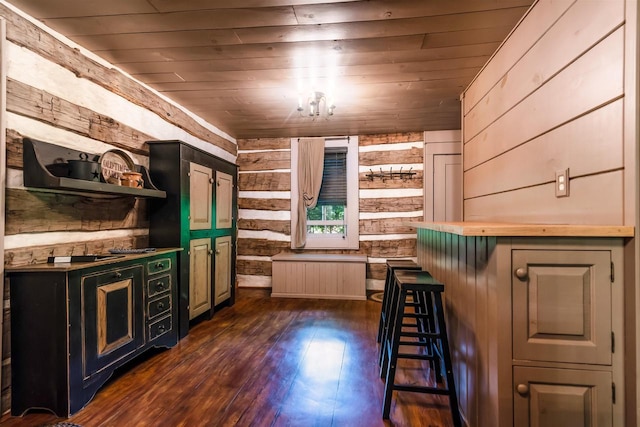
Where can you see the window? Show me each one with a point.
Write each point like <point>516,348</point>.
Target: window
<point>328,217</point>
<point>333,222</point>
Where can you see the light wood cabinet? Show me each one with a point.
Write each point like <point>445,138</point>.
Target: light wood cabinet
<point>200,207</point>
<point>199,276</point>
<point>545,397</point>
<point>224,200</point>
<point>223,269</point>
<point>536,324</point>
<point>562,314</point>
<point>200,196</point>
<point>562,306</point>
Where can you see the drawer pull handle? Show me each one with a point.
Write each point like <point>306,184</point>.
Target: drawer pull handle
<point>160,305</point>
<point>159,265</point>
<point>522,389</point>
<point>159,286</point>
<point>117,275</point>
<point>521,273</point>
<point>161,328</point>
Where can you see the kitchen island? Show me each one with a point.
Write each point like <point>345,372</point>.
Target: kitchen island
<point>535,314</point>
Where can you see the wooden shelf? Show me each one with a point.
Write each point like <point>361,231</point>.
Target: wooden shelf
<point>41,160</point>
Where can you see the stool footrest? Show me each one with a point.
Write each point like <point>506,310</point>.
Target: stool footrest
<point>414,343</point>
<point>421,389</point>
<point>416,356</point>
<point>421,316</point>
<point>432,335</point>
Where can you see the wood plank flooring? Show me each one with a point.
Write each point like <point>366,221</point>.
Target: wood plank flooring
<point>263,362</point>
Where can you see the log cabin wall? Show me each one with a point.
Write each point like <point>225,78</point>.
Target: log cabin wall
<point>551,98</point>
<point>57,92</point>
<point>264,220</point>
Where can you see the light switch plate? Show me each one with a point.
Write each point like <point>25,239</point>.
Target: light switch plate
<point>562,183</point>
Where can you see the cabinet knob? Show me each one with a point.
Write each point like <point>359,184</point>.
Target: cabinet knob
<point>160,305</point>
<point>159,265</point>
<point>159,286</point>
<point>217,251</point>
<point>210,251</point>
<point>522,389</point>
<point>117,275</point>
<point>161,328</point>
<point>210,180</point>
<point>521,273</point>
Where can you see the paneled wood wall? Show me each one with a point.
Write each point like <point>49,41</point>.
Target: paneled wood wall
<point>59,93</point>
<point>551,98</point>
<point>264,221</point>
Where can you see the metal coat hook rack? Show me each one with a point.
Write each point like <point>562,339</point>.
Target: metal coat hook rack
<point>390,174</point>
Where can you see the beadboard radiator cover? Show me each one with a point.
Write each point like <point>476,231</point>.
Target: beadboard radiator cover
<point>328,276</point>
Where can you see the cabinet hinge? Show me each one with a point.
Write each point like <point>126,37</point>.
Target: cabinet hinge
<point>613,276</point>
<point>613,392</point>
<point>613,342</point>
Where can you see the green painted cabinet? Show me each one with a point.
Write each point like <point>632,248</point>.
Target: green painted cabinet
<point>200,208</point>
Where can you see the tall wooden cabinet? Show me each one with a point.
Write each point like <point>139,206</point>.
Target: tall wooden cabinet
<point>199,215</point>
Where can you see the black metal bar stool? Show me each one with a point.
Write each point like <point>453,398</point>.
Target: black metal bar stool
<point>383,327</point>
<point>430,338</point>
<point>392,265</point>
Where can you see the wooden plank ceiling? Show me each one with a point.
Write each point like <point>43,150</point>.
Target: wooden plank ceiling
<point>395,65</point>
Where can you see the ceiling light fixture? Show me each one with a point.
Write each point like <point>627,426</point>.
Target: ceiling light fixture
<point>317,104</point>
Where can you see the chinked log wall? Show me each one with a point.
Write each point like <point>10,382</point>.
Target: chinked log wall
<point>58,94</point>
<point>264,221</point>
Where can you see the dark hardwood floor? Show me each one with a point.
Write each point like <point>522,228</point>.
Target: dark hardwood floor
<point>262,362</point>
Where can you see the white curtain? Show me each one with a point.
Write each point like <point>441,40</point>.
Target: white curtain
<point>310,165</point>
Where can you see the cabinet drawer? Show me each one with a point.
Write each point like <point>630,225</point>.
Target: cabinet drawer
<point>158,286</point>
<point>160,327</point>
<point>158,265</point>
<point>159,306</point>
<point>562,306</point>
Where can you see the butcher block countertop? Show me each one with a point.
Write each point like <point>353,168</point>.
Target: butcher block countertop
<point>69,266</point>
<point>526,230</point>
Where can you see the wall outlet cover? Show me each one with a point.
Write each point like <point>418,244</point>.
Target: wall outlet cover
<point>562,183</point>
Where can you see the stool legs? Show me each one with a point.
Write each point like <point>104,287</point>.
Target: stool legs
<point>431,335</point>
<point>391,350</point>
<point>446,356</point>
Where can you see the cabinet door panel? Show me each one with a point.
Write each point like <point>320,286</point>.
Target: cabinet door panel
<point>546,397</point>
<point>562,306</point>
<point>112,312</point>
<point>199,276</point>
<point>223,269</point>
<point>200,196</point>
<point>224,200</point>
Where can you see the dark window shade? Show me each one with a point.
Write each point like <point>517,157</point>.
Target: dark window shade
<point>333,190</point>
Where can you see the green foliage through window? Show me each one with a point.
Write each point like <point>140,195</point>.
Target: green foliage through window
<point>327,219</point>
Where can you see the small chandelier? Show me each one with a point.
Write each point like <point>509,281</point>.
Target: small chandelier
<point>317,104</point>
